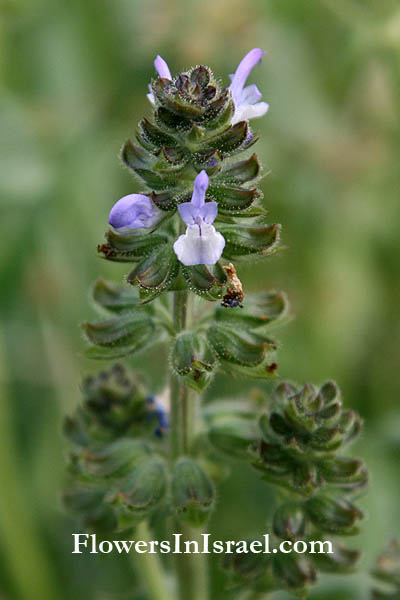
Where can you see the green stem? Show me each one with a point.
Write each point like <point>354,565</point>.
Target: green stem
<point>178,392</point>
<point>150,569</point>
<point>192,572</point>
<point>191,569</point>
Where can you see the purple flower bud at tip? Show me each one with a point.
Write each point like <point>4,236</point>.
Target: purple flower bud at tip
<point>162,68</point>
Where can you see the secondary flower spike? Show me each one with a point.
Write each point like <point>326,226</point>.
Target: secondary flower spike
<point>163,71</point>
<point>201,244</point>
<point>134,212</point>
<point>246,99</point>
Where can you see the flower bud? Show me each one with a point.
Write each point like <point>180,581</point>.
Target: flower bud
<point>143,490</point>
<point>246,566</point>
<point>113,399</point>
<point>193,493</point>
<point>342,560</point>
<point>387,571</point>
<point>87,503</point>
<point>243,171</point>
<point>129,247</point>
<point>115,407</point>
<point>248,240</point>
<point>333,516</point>
<point>114,298</point>
<point>345,472</point>
<point>237,346</point>
<point>311,419</point>
<point>156,272</point>
<point>289,521</point>
<point>207,281</point>
<point>193,359</point>
<point>109,388</point>
<point>293,571</point>
<point>120,335</point>
<point>113,460</point>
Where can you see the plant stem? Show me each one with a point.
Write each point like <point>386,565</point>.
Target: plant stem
<point>192,569</point>
<point>150,569</point>
<point>192,573</point>
<point>179,393</point>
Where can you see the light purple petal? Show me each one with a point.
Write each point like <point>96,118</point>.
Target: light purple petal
<point>247,63</point>
<point>208,212</point>
<point>199,189</point>
<point>199,245</point>
<point>133,212</point>
<point>188,212</point>
<point>250,95</point>
<point>162,68</point>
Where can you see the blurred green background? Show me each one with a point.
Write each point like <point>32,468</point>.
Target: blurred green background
<point>73,80</point>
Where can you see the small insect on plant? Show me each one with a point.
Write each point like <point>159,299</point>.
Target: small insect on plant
<point>234,294</point>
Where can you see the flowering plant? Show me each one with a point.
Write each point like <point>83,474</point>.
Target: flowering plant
<point>199,213</point>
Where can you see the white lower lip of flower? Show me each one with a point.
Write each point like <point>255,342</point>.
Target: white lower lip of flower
<point>244,112</point>
<point>200,245</point>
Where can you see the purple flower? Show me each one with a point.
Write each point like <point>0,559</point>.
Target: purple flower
<point>134,212</point>
<point>201,244</point>
<point>246,99</point>
<point>163,71</point>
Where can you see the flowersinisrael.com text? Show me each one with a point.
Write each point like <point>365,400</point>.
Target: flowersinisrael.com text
<point>87,543</point>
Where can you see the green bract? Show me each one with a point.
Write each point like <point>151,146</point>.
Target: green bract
<point>193,493</point>
<point>236,340</point>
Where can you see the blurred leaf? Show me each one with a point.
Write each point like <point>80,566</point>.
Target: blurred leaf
<point>114,298</point>
<point>133,331</point>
